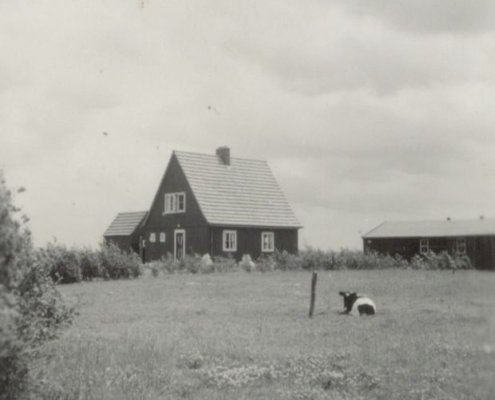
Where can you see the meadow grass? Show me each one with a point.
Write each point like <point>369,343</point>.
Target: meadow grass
<point>248,336</point>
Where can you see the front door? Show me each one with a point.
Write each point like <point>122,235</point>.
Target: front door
<point>179,243</point>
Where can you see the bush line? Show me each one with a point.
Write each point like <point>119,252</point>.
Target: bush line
<point>71,265</point>
<point>308,259</point>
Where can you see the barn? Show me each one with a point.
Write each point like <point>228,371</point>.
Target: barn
<point>474,238</point>
<point>217,204</point>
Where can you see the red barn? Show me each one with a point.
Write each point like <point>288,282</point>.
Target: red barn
<point>216,204</point>
<point>474,238</point>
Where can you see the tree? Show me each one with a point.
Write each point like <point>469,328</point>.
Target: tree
<point>31,308</point>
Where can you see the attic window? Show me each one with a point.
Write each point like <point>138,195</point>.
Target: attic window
<point>175,203</point>
<point>267,241</point>
<point>229,241</point>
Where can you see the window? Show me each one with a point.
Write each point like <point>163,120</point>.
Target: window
<point>175,203</point>
<point>229,241</point>
<point>181,202</point>
<point>169,203</point>
<point>162,237</point>
<point>460,246</point>
<point>267,241</point>
<point>152,237</point>
<point>424,246</point>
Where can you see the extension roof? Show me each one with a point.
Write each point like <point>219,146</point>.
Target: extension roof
<point>244,193</point>
<point>125,223</point>
<point>442,228</point>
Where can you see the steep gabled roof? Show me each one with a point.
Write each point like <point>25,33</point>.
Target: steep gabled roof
<point>244,193</point>
<point>125,224</point>
<point>443,228</point>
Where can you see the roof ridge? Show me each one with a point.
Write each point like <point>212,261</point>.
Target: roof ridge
<point>214,155</point>
<point>412,221</point>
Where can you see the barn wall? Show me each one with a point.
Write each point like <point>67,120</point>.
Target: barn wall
<point>480,249</point>
<point>406,247</point>
<point>192,220</point>
<point>249,241</point>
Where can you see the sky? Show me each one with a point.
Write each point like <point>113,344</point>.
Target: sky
<point>365,110</point>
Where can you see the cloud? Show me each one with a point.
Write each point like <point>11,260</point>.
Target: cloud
<point>339,51</point>
<point>429,16</point>
<point>364,111</point>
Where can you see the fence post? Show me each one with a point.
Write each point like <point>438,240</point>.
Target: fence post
<point>313,293</point>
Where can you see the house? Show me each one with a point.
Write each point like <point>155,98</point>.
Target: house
<point>474,238</point>
<point>125,230</point>
<point>217,204</point>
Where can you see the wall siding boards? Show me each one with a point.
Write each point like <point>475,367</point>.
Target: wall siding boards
<point>480,249</point>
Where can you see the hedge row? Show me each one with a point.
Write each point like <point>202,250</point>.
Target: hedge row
<point>308,259</point>
<point>356,259</point>
<point>69,265</point>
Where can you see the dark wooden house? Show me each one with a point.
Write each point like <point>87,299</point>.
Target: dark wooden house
<point>125,230</point>
<point>220,205</point>
<point>474,238</point>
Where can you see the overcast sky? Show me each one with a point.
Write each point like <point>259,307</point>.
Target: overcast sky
<point>365,110</point>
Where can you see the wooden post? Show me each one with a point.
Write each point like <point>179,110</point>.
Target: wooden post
<point>313,294</point>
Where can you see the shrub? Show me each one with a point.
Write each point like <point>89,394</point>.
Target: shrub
<point>31,310</point>
<point>62,263</point>
<point>286,261</point>
<point>265,263</point>
<point>90,264</point>
<point>247,263</point>
<point>225,264</point>
<point>190,263</point>
<point>117,264</point>
<point>155,269</point>
<point>207,265</point>
<point>317,259</point>
<point>73,265</point>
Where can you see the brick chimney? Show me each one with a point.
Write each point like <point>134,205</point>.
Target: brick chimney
<point>223,153</point>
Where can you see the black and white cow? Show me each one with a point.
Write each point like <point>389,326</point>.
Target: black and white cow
<point>355,304</point>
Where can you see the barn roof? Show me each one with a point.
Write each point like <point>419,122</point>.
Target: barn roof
<point>125,223</point>
<point>441,228</point>
<point>244,193</point>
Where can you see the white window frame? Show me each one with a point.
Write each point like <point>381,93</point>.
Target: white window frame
<point>163,237</point>
<point>271,242</point>
<point>460,246</point>
<point>179,195</point>
<point>171,203</point>
<point>424,246</point>
<point>229,245</point>
<point>152,237</point>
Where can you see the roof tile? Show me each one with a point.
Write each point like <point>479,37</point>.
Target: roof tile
<point>442,228</point>
<point>242,193</point>
<point>125,224</point>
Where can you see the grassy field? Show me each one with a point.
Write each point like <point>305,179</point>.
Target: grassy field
<point>248,336</point>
